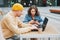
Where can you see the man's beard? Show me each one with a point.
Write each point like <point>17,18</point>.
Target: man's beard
<point>18,15</point>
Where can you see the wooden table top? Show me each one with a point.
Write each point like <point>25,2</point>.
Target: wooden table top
<point>48,30</point>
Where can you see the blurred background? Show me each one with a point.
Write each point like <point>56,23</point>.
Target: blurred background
<point>26,3</point>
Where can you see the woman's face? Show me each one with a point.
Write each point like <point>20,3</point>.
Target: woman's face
<point>33,12</point>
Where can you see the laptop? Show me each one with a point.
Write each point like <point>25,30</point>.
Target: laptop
<point>44,23</point>
<point>43,26</point>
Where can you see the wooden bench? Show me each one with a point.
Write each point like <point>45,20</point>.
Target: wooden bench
<point>54,11</point>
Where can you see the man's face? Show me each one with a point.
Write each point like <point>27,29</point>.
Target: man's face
<point>18,13</point>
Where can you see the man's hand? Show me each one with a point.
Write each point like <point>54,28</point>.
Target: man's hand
<point>33,27</point>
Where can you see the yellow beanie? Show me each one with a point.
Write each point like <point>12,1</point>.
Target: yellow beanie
<point>17,7</point>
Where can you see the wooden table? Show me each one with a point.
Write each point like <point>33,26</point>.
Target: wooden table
<point>49,32</point>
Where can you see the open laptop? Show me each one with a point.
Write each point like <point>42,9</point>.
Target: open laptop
<point>44,23</point>
<point>43,26</point>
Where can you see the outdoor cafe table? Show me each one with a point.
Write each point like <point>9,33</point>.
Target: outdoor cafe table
<point>50,32</point>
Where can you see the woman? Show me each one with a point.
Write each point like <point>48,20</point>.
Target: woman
<point>33,16</point>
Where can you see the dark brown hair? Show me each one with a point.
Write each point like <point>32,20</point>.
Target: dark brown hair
<point>33,7</point>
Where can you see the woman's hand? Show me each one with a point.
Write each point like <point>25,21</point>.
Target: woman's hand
<point>32,22</point>
<point>36,22</point>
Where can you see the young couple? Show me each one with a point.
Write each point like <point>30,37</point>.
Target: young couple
<point>12,25</point>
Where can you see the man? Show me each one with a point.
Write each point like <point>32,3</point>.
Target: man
<point>12,25</point>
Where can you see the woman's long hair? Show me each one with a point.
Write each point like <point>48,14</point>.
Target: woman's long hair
<point>36,9</point>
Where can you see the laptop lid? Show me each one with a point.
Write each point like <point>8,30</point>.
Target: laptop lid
<point>44,23</point>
